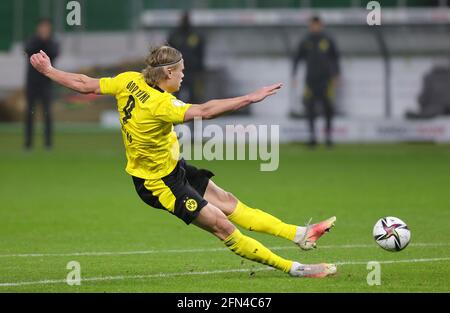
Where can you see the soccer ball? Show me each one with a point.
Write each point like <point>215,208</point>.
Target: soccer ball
<point>391,233</point>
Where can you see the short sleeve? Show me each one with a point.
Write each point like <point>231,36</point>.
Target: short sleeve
<point>109,85</point>
<point>171,109</point>
<point>113,85</point>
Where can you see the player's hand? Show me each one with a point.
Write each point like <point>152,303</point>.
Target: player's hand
<point>41,62</point>
<point>264,92</point>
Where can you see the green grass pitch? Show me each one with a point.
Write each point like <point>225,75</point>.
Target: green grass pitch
<point>76,203</point>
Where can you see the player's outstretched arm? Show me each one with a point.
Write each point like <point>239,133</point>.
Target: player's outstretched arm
<point>214,108</point>
<point>78,82</point>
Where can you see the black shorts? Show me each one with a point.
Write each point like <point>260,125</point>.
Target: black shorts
<point>181,192</point>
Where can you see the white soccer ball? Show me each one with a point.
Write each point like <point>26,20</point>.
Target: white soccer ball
<point>391,233</point>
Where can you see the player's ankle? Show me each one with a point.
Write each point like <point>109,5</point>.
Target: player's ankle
<point>299,234</point>
<point>294,267</point>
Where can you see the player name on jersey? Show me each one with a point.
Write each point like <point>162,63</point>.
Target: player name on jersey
<point>142,95</point>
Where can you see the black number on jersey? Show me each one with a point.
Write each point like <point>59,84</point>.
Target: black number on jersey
<point>128,108</point>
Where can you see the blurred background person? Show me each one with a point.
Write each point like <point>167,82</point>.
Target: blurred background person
<point>321,56</point>
<point>38,87</point>
<point>192,45</point>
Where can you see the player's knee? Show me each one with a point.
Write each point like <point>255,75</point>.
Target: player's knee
<point>231,199</point>
<point>227,199</point>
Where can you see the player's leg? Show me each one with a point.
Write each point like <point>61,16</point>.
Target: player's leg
<point>308,102</point>
<point>260,221</point>
<point>328,120</point>
<point>212,219</point>
<point>246,217</point>
<point>31,102</point>
<point>328,112</point>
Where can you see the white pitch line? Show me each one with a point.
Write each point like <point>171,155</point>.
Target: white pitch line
<point>394,261</point>
<point>200,250</point>
<point>164,275</point>
<point>106,278</point>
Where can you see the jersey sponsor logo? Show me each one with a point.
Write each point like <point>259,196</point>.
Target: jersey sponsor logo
<point>178,103</point>
<point>191,205</point>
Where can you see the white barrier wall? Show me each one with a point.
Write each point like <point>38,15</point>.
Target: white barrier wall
<point>360,93</point>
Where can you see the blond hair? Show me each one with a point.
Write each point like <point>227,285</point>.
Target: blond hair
<point>159,58</point>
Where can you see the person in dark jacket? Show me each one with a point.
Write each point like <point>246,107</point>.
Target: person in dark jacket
<point>38,87</point>
<point>321,56</point>
<point>191,44</point>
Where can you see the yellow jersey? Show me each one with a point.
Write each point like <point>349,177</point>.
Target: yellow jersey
<point>147,116</point>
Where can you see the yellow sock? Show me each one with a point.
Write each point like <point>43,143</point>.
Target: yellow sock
<point>251,249</point>
<point>257,220</point>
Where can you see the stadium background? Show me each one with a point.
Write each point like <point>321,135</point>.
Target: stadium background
<point>76,202</point>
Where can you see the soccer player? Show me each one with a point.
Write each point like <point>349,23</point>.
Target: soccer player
<point>148,111</point>
<point>321,55</point>
<point>38,88</point>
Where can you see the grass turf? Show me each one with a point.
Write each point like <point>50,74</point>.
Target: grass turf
<point>78,198</point>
